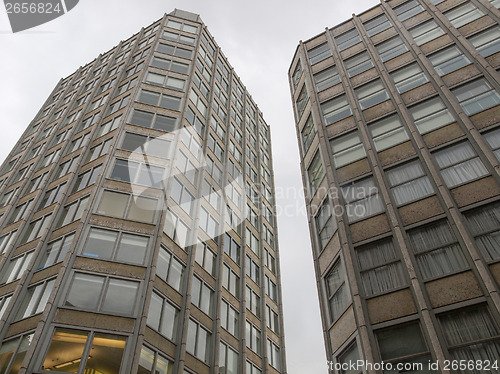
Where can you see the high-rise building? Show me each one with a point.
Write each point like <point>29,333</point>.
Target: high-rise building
<point>398,119</point>
<point>138,228</point>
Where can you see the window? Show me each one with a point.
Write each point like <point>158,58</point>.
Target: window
<point>476,96</point>
<point>165,81</point>
<point>132,207</point>
<point>358,64</point>
<point>252,369</point>
<point>381,270</point>
<point>181,195</point>
<point>56,251</point>
<point>493,139</point>
<point>409,183</point>
<point>231,281</point>
<point>319,53</point>
<point>326,78</point>
<point>229,317</point>
<point>430,115</point>
<point>228,359</point>
<point>448,60</point>
<point>202,296</point>
<point>196,121</point>
<point>252,270</point>
<point>162,316</point>
<point>253,338</point>
<point>371,94</point>
<point>13,352</point>
<point>297,73</point>
<point>177,230</point>
<point>471,334</point>
<point>146,146</point>
<point>436,250</point>
<point>115,246</point>
<point>208,223</point>
<point>152,362</point>
<point>273,355</point>
<point>348,357</point>
<point>95,153</point>
<point>46,161</point>
<point>118,104</point>
<point>109,126</point>
<point>377,24</point>
<point>170,269</point>
<point>172,36</point>
<point>188,168</point>
<point>272,320</point>
<point>301,102</point>
<point>335,109</point>
<point>463,14</point>
<point>347,148</point>
<point>20,211</point>
<point>67,349</point>
<point>387,133</point>
<point>403,343</point>
<point>484,224</point>
<point>487,42</point>
<point>326,224</point>
<point>270,262</point>
<point>137,173</point>
<point>407,10</point>
<point>206,258</point>
<point>182,26</point>
<point>425,32</point>
<point>232,248</point>
<point>35,300</point>
<point>252,301</point>
<point>459,164</point>
<point>86,179</point>
<point>151,120</point>
<point>104,294</point>
<point>362,199</point>
<point>271,289</point>
<point>315,173</point>
<point>4,303</point>
<point>198,341</point>
<point>167,64</point>
<point>37,228</point>
<point>174,51</point>
<point>157,99</point>
<point>34,184</point>
<point>6,240</point>
<point>347,39</point>
<point>408,78</point>
<point>202,107</point>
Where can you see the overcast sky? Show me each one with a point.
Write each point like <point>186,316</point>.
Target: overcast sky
<point>259,39</point>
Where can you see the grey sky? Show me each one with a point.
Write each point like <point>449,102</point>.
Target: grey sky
<point>259,39</point>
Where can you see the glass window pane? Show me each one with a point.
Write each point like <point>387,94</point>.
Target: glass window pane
<point>65,351</point>
<point>100,243</point>
<point>132,248</point>
<point>85,291</point>
<point>105,354</point>
<point>113,204</point>
<point>120,296</point>
<point>142,209</point>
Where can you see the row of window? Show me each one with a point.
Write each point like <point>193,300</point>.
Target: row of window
<point>470,334</point>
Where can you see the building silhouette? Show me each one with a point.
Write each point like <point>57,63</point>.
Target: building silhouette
<point>137,218</point>
<point>397,113</point>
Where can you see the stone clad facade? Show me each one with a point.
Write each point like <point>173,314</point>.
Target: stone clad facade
<point>397,112</point>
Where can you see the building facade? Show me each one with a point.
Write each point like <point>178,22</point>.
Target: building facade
<point>137,218</point>
<point>397,113</point>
